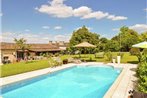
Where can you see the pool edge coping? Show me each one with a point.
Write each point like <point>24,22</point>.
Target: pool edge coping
<point>109,92</point>
<point>33,75</point>
<point>115,84</point>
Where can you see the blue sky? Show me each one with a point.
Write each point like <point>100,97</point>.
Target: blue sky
<point>44,20</point>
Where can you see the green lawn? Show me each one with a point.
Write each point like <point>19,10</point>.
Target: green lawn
<point>127,58</point>
<point>21,67</point>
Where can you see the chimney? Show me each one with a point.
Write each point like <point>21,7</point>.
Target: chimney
<point>50,42</point>
<point>61,42</point>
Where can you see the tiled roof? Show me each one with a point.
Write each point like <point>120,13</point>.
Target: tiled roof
<point>33,47</point>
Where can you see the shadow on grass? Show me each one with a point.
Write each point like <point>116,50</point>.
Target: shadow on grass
<point>99,57</point>
<point>133,62</point>
<point>27,62</point>
<point>90,60</point>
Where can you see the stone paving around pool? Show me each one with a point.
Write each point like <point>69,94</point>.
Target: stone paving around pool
<point>119,89</point>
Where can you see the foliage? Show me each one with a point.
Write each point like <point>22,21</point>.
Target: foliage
<point>102,44</point>
<point>81,35</point>
<point>127,37</point>
<point>112,45</point>
<point>21,44</point>
<point>109,55</point>
<point>141,56</point>
<point>142,75</point>
<point>143,36</point>
<point>134,51</point>
<point>56,54</point>
<point>122,42</point>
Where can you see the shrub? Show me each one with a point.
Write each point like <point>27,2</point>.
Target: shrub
<point>108,56</point>
<point>57,54</point>
<point>142,75</point>
<point>134,51</point>
<point>65,61</point>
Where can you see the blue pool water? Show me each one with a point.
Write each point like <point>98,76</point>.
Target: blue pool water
<point>75,82</point>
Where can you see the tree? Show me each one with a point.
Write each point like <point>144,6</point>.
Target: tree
<point>112,45</point>
<point>143,36</point>
<point>102,43</point>
<point>126,38</point>
<point>83,34</point>
<point>21,44</point>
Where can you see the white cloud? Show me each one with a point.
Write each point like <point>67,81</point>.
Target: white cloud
<point>30,37</point>
<point>62,38</point>
<point>45,27</point>
<point>115,29</point>
<point>57,8</point>
<point>97,15</point>
<point>1,14</point>
<point>27,30</point>
<point>139,27</point>
<point>145,9</point>
<point>81,11</point>
<point>57,27</point>
<point>89,28</point>
<point>114,18</point>
<point>33,37</point>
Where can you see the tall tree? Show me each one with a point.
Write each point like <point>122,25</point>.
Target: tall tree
<point>126,38</point>
<point>143,36</point>
<point>102,44</point>
<point>21,44</point>
<point>83,34</point>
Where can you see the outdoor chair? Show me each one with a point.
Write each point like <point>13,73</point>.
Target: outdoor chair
<point>58,60</point>
<point>72,60</point>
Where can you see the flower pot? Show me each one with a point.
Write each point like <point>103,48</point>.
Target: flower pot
<point>113,60</point>
<point>118,59</point>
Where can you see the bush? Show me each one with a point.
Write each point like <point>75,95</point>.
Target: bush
<point>65,61</point>
<point>108,56</point>
<point>134,51</point>
<point>57,54</point>
<point>142,75</point>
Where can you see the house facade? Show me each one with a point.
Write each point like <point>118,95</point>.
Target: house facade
<point>10,52</point>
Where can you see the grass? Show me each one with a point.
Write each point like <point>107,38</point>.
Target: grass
<point>127,58</point>
<point>21,67</point>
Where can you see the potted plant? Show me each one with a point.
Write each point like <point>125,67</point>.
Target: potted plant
<point>65,61</point>
<point>113,60</point>
<point>119,57</point>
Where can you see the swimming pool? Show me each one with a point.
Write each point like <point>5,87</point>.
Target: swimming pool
<point>75,82</point>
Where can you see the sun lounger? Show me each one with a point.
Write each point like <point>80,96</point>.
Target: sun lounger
<point>72,60</point>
